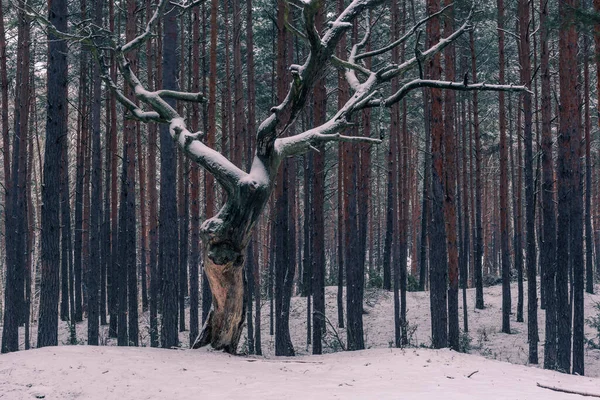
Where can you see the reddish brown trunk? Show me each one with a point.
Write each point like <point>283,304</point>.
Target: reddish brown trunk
<point>478,237</point>
<point>503,179</point>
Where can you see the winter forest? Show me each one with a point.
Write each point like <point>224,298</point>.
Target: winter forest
<point>410,185</point>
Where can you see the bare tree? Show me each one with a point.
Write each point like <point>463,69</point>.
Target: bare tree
<point>226,235</point>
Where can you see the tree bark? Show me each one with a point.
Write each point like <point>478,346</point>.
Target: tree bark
<point>56,126</point>
<point>438,271</point>
<point>532,304</point>
<point>478,252</point>
<point>504,233</point>
<point>548,247</point>
<point>168,242</point>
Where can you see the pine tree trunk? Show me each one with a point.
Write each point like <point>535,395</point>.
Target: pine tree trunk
<point>168,243</point>
<point>56,125</point>
<point>438,272</point>
<point>449,188</point>
<point>548,248</point>
<point>532,304</point>
<point>478,237</point>
<point>94,268</point>
<point>504,227</point>
<point>566,176</point>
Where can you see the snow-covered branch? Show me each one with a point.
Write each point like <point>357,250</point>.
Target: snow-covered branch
<point>145,35</point>
<point>305,76</point>
<point>303,142</point>
<point>462,86</point>
<point>224,171</point>
<point>394,71</point>
<point>186,4</point>
<point>404,37</point>
<point>329,131</point>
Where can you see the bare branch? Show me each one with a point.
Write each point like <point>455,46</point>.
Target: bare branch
<point>404,38</point>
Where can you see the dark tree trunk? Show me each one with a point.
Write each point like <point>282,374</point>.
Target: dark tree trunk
<point>478,244</point>
<point>209,181</point>
<point>94,267</point>
<point>438,271</point>
<point>426,203</point>
<point>548,247</point>
<point>253,272</point>
<point>466,243</point>
<point>342,96</point>
<point>518,216</point>
<point>532,304</point>
<point>504,226</point>
<point>449,167</point>
<point>183,225</point>
<point>195,185</point>
<point>392,253</point>
<point>153,199</point>
<point>112,270</point>
<point>589,233</point>
<point>570,135</point>
<point>566,176</point>
<point>168,242</point>
<point>317,234</point>
<point>56,128</point>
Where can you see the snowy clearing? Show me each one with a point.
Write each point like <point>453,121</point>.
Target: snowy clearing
<point>80,372</point>
<point>108,372</point>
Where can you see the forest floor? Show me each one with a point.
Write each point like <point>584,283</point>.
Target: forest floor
<point>107,372</point>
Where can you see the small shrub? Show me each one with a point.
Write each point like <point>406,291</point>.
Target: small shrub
<point>594,322</point>
<point>464,344</point>
<point>413,284</point>
<point>491,280</point>
<point>375,280</point>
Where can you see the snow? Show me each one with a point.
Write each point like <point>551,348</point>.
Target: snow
<point>107,372</point>
<point>86,372</point>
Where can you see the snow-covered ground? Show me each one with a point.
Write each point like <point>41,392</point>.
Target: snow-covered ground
<point>104,373</point>
<point>379,372</point>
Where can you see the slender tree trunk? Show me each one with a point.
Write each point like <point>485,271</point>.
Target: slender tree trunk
<point>209,182</point>
<point>466,244</point>
<point>449,167</point>
<point>342,96</point>
<point>153,243</point>
<point>589,233</point>
<point>317,234</point>
<point>548,248</point>
<point>113,268</point>
<point>56,127</point>
<point>94,268</point>
<point>168,242</point>
<point>569,129</point>
<point>517,215</point>
<point>195,185</point>
<point>532,304</point>
<point>566,177</point>
<point>438,271</point>
<point>504,233</point>
<point>478,256</point>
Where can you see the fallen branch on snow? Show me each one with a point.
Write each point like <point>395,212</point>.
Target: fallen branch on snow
<point>556,389</point>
